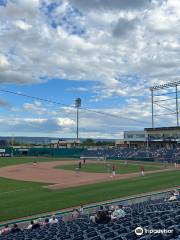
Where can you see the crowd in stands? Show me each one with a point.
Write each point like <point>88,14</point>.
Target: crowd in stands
<point>175,195</point>
<point>116,222</point>
<point>105,215</point>
<point>109,152</point>
<point>164,154</point>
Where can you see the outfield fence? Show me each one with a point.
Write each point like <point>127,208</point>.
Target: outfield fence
<point>66,153</point>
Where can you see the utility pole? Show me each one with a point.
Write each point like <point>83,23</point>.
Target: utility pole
<point>77,105</point>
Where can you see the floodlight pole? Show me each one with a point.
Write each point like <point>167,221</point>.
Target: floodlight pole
<point>152,107</point>
<point>77,130</point>
<point>165,86</point>
<point>12,144</point>
<point>147,145</point>
<point>77,105</point>
<point>177,106</point>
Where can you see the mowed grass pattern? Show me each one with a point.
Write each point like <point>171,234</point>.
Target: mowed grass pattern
<point>121,168</point>
<point>20,198</point>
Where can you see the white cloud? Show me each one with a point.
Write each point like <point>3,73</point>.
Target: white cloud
<point>35,120</point>
<point>132,115</point>
<point>22,25</point>
<point>10,76</point>
<point>20,9</point>
<point>35,108</point>
<point>18,121</point>
<point>78,89</point>
<point>97,55</point>
<point>36,126</point>
<point>110,4</point>
<point>65,122</point>
<point>126,46</point>
<point>3,62</point>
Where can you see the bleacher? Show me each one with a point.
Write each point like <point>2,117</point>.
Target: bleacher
<point>149,214</point>
<point>161,154</point>
<point>119,153</point>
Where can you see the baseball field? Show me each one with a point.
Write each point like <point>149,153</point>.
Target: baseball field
<point>28,188</point>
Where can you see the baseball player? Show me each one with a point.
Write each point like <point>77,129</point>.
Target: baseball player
<point>142,171</point>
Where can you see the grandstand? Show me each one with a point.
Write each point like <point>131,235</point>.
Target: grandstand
<point>157,217</point>
<point>155,154</point>
<point>116,153</point>
<point>3,143</point>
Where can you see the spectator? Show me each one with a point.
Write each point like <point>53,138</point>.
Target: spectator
<point>172,197</point>
<point>81,209</point>
<point>107,209</point>
<point>30,225</point>
<point>112,208</point>
<point>53,220</point>
<point>15,228</point>
<point>93,218</point>
<point>36,224</point>
<point>176,194</point>
<point>75,213</point>
<point>118,213</point>
<point>5,230</point>
<point>101,216</point>
<point>46,222</point>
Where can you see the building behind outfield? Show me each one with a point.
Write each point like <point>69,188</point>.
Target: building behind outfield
<point>132,139</point>
<point>168,137</point>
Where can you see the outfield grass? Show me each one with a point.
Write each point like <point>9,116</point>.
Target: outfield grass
<point>121,168</point>
<point>8,161</point>
<point>20,198</point>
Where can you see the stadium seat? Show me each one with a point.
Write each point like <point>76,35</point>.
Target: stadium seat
<point>109,235</point>
<point>155,214</point>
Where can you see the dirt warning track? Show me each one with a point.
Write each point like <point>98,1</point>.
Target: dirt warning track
<point>57,178</point>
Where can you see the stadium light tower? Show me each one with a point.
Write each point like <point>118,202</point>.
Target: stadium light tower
<point>77,105</point>
<point>173,96</point>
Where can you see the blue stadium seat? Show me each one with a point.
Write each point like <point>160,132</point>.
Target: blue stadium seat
<point>155,214</point>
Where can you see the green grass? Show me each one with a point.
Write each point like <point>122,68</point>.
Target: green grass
<point>8,161</point>
<point>20,198</point>
<point>121,168</point>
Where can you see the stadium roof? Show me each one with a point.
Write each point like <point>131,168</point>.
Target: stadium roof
<point>162,128</point>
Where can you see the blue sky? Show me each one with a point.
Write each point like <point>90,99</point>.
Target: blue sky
<point>108,53</point>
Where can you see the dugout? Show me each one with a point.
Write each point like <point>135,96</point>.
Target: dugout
<point>23,151</point>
